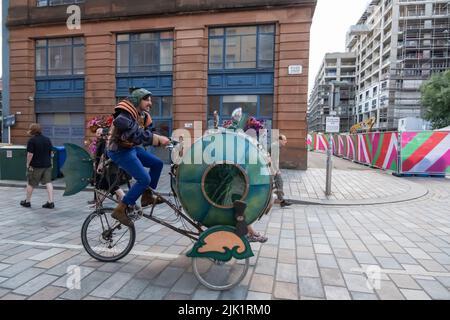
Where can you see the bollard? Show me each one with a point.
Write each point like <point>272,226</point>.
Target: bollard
<point>329,167</point>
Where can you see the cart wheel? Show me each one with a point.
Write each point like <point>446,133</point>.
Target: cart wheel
<point>220,275</point>
<point>104,238</point>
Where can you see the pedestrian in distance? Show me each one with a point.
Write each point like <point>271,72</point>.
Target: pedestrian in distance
<point>38,165</point>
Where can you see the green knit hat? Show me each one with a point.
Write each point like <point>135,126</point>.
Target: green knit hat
<point>137,95</point>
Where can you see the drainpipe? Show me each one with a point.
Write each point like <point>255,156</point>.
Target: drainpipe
<point>5,67</point>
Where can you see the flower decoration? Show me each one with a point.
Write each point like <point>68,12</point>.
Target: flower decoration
<point>94,124</point>
<point>253,123</point>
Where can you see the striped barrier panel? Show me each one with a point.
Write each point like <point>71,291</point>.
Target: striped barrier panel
<point>309,141</point>
<point>384,150</point>
<point>425,152</point>
<point>320,142</point>
<point>363,149</point>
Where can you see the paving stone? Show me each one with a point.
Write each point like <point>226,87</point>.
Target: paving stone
<point>253,295</point>
<point>266,266</point>
<point>15,269</point>
<point>332,277</point>
<point>286,256</point>
<point>261,283</point>
<point>431,265</point>
<point>153,293</point>
<point>444,280</point>
<point>46,254</point>
<point>414,294</point>
<point>363,296</point>
<point>388,291</point>
<point>435,290</point>
<point>349,265</point>
<point>286,273</point>
<point>132,289</point>
<point>87,285</point>
<point>186,284</point>
<point>284,290</point>
<point>12,296</point>
<point>22,256</point>
<point>418,253</point>
<point>113,284</point>
<point>69,275</point>
<point>153,269</point>
<point>322,248</point>
<point>358,283</point>
<point>205,294</point>
<point>389,263</point>
<point>365,258</point>
<point>343,253</point>
<point>168,277</point>
<point>307,268</point>
<point>57,259</point>
<point>237,293</point>
<point>48,293</point>
<point>404,281</point>
<point>305,253</point>
<point>34,285</point>
<point>336,293</point>
<point>21,278</point>
<point>326,261</point>
<point>310,287</point>
<point>404,258</point>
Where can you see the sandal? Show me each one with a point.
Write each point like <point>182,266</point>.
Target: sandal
<point>256,237</point>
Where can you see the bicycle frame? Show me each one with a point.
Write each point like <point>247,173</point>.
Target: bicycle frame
<point>177,210</point>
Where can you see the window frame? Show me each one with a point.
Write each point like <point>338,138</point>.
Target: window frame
<point>224,36</point>
<point>224,118</point>
<point>72,46</point>
<point>129,42</point>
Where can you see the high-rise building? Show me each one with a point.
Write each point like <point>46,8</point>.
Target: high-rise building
<point>333,92</point>
<point>196,56</point>
<point>398,44</point>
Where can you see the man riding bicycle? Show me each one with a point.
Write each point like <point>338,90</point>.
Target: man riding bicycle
<point>131,128</point>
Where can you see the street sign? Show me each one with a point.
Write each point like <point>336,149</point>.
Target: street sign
<point>333,113</point>
<point>295,69</point>
<point>332,125</point>
<point>9,121</point>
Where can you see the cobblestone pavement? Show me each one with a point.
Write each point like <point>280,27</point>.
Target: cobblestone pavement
<point>385,251</point>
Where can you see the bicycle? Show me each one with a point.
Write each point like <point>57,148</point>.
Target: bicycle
<point>107,240</point>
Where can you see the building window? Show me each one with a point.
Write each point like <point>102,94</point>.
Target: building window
<point>47,3</point>
<point>258,106</point>
<point>145,52</point>
<point>250,47</point>
<point>161,113</point>
<point>60,57</point>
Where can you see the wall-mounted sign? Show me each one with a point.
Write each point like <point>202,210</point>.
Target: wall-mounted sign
<point>9,153</point>
<point>332,124</point>
<point>9,121</point>
<point>295,69</point>
<point>188,125</point>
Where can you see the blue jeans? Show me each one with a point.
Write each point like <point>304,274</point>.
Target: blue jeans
<point>134,161</point>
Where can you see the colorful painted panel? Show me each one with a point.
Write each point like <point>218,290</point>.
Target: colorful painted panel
<point>425,152</point>
<point>384,150</point>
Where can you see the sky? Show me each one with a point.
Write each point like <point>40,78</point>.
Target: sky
<point>331,21</point>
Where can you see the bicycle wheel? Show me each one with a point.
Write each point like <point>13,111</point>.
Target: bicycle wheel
<point>220,275</point>
<point>104,238</point>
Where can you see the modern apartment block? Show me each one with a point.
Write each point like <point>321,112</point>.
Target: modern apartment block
<point>334,90</point>
<point>196,56</point>
<point>398,45</point>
